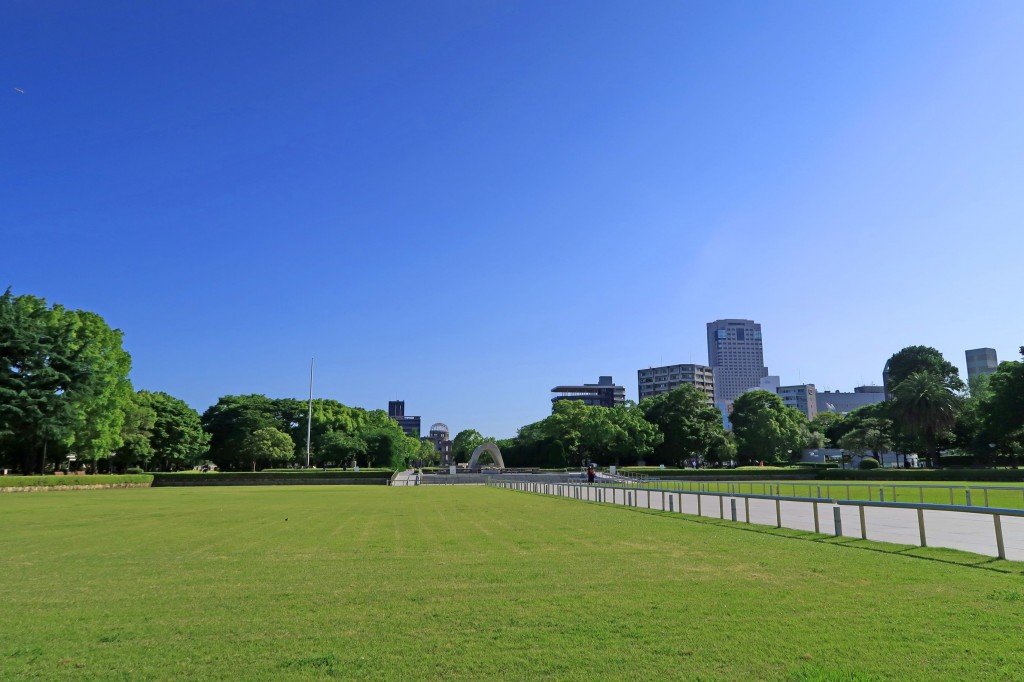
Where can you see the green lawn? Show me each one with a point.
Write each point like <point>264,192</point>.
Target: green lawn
<point>473,583</point>
<point>1003,495</point>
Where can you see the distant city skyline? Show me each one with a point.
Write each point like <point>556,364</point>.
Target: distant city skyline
<point>463,205</point>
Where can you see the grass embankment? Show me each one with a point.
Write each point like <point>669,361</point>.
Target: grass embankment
<point>309,583</point>
<point>58,481</point>
<point>1003,495</point>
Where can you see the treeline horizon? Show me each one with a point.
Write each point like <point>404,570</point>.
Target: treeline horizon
<point>67,401</point>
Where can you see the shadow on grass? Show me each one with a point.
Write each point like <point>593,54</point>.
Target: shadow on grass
<point>938,554</point>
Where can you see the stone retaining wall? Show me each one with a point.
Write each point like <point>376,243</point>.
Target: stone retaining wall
<point>44,488</point>
<point>214,481</point>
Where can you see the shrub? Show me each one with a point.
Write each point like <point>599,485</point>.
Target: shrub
<point>134,470</point>
<point>868,463</point>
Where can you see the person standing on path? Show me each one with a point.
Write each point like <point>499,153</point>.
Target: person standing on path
<point>591,474</point>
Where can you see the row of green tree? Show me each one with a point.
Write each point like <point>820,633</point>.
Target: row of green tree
<point>66,400</point>
<point>930,412</point>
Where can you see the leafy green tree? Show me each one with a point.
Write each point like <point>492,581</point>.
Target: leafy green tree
<point>971,433</point>
<point>136,433</point>
<point>464,443</point>
<point>870,435</point>
<point>232,420</point>
<point>829,425</point>
<point>925,407</point>
<point>427,454</point>
<point>268,446</point>
<point>100,398</point>
<point>691,428</point>
<point>178,438</point>
<point>63,383</point>
<point>340,448</point>
<point>915,359</point>
<point>765,429</point>
<point>35,376</point>
<point>1002,410</point>
<point>619,434</point>
<point>385,447</point>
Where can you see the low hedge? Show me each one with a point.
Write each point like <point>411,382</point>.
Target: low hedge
<point>979,475</point>
<point>313,470</point>
<point>57,481</point>
<point>266,475</point>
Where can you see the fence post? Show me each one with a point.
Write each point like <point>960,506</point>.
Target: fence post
<point>778,513</point>
<point>968,493</point>
<point>817,528</point>
<point>746,509</point>
<point>986,496</point>
<point>920,527</point>
<point>999,536</point>
<point>819,493</point>
<point>881,494</point>
<point>837,517</point>
<point>721,507</point>
<point>863,525</point>
<point>670,504</point>
<point>698,505</point>
<point>732,503</point>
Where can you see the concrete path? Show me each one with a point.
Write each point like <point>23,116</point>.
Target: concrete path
<point>971,532</point>
<point>407,477</point>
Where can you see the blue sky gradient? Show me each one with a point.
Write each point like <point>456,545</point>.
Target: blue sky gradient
<point>463,204</point>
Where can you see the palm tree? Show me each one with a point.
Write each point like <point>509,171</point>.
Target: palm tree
<point>925,407</point>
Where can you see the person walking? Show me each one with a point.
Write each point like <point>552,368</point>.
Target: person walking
<point>591,474</point>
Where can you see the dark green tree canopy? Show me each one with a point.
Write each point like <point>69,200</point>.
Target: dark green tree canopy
<point>914,359</point>
<point>1002,409</point>
<point>267,446</point>
<point>691,428</point>
<point>63,383</point>
<point>925,407</point>
<point>765,429</point>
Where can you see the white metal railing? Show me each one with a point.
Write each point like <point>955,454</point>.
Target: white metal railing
<point>989,531</point>
<point>1005,496</point>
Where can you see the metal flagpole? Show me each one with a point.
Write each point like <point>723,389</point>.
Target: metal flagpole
<point>309,419</point>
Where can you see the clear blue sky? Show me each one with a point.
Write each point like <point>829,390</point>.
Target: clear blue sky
<point>463,204</point>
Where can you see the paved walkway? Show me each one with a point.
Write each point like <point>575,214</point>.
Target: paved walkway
<point>971,532</point>
<point>407,477</point>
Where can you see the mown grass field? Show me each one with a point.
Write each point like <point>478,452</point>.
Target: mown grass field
<point>353,582</point>
<point>1003,495</point>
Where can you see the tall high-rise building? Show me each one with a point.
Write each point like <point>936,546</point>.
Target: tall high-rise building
<point>981,361</point>
<point>657,380</point>
<point>411,425</point>
<point>736,356</point>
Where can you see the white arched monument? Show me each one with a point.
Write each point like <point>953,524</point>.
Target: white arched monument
<point>486,447</point>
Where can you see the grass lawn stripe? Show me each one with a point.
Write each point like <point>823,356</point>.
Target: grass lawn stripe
<point>470,583</point>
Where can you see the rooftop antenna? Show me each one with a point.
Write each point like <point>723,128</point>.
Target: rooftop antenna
<point>309,418</point>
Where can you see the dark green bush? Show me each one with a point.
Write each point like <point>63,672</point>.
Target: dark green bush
<point>134,470</point>
<point>868,463</point>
